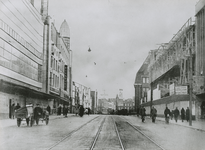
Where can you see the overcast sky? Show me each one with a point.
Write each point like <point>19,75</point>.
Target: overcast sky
<point>120,34</point>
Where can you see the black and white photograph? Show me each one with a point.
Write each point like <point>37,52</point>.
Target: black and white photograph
<point>102,74</point>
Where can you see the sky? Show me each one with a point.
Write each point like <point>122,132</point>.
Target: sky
<point>120,34</point>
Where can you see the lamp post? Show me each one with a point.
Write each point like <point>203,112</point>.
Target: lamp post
<point>190,87</point>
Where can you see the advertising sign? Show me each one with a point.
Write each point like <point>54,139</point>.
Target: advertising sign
<point>181,90</point>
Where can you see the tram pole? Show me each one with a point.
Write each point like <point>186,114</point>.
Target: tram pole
<point>190,87</point>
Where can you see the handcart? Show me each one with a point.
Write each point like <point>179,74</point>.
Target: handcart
<point>25,113</point>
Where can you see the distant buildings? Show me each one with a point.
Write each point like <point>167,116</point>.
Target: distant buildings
<point>113,105</point>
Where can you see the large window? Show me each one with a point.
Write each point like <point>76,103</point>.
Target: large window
<point>13,59</point>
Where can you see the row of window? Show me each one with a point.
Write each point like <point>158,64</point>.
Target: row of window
<point>145,80</point>
<point>56,64</point>
<point>127,104</point>
<point>18,38</point>
<point>14,60</point>
<point>54,80</point>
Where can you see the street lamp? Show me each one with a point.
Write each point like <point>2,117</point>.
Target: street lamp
<point>89,50</point>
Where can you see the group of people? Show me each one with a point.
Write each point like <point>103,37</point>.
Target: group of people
<point>175,113</point>
<point>167,113</point>
<point>153,113</point>
<point>80,110</point>
<point>65,110</point>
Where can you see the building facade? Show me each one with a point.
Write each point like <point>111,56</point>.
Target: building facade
<point>21,54</point>
<point>94,98</point>
<point>35,64</point>
<point>199,82</point>
<point>141,85</point>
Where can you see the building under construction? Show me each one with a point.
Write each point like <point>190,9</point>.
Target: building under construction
<point>176,71</point>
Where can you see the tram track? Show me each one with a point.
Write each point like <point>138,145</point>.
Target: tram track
<point>108,133</point>
<point>146,136</point>
<point>69,134</point>
<point>127,123</point>
<point>117,137</point>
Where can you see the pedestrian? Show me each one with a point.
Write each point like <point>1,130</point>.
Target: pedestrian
<point>81,111</point>
<point>38,112</point>
<point>88,111</point>
<point>171,114</point>
<point>59,110</point>
<point>143,113</point>
<point>17,107</point>
<point>182,114</point>
<point>76,109</point>
<point>187,114</point>
<point>176,114</point>
<point>65,111</point>
<point>48,109</point>
<point>167,114</point>
<point>12,110</point>
<point>153,114</point>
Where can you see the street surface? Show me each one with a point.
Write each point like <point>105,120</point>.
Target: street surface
<point>79,133</point>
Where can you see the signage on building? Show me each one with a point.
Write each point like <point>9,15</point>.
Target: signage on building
<point>65,77</point>
<point>171,89</point>
<point>181,90</point>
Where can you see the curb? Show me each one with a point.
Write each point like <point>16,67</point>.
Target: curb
<point>194,128</point>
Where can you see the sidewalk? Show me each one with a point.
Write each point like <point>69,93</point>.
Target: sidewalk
<point>197,125</point>
<point>12,122</point>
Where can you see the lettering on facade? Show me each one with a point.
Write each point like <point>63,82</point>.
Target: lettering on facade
<point>65,77</point>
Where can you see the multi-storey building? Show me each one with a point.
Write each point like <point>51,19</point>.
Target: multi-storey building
<point>199,82</point>
<point>58,70</point>
<point>94,98</point>
<point>128,104</point>
<point>141,85</point>
<point>21,54</point>
<point>168,69</point>
<point>35,64</point>
<point>119,103</point>
<point>82,95</point>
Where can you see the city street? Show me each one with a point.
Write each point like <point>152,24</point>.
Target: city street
<point>75,132</point>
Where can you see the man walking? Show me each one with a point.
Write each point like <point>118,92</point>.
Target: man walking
<point>187,114</point>
<point>176,114</point>
<point>153,114</point>
<point>182,114</point>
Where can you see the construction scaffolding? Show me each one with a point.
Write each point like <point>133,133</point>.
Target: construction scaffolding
<point>172,54</point>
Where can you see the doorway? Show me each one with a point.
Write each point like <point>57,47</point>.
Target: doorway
<point>203,110</point>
